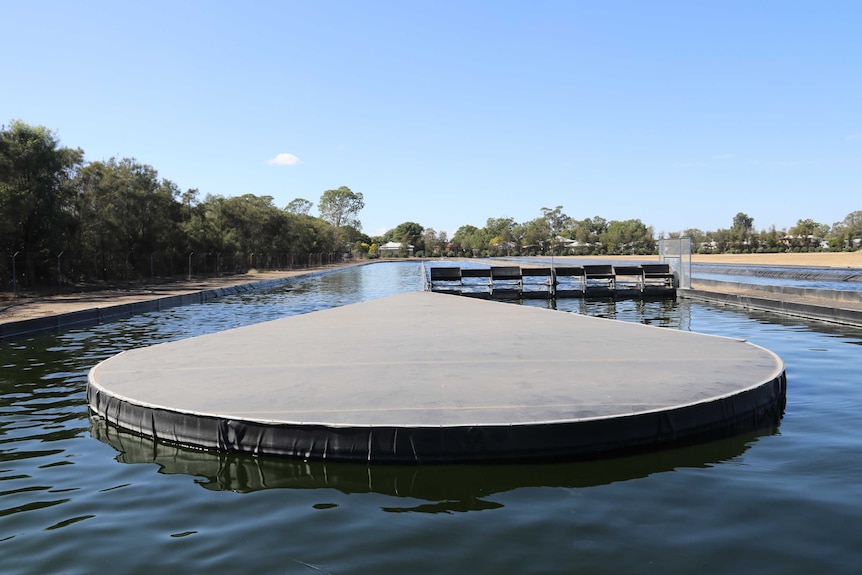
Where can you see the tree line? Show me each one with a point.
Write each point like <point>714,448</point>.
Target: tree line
<point>806,236</point>
<point>555,233</point>
<point>552,233</point>
<point>66,221</point>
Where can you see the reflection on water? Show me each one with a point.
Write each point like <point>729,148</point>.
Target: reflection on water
<point>444,487</point>
<point>660,312</point>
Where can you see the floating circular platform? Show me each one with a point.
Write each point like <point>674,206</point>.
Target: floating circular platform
<point>427,377</point>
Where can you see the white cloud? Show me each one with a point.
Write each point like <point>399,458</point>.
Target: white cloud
<point>284,159</point>
<point>725,157</point>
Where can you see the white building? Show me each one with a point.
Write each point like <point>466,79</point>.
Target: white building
<point>391,249</point>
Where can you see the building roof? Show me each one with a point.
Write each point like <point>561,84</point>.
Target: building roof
<point>395,246</point>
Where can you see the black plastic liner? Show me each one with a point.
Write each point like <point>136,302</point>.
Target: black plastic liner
<point>748,410</point>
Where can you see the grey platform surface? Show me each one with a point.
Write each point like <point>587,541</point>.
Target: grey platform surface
<point>457,378</point>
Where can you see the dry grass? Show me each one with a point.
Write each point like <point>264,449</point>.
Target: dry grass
<point>817,259</point>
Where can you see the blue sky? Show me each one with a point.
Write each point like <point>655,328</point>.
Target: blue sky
<point>447,113</point>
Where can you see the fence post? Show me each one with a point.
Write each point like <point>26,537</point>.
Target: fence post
<point>14,276</point>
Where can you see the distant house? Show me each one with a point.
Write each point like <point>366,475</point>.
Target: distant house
<point>809,241</point>
<point>390,249</point>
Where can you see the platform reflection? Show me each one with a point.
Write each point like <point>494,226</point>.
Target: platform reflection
<point>443,488</point>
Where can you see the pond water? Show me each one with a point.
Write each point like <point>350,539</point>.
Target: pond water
<point>77,496</point>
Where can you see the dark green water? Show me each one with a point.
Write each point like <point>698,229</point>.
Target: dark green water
<point>77,496</point>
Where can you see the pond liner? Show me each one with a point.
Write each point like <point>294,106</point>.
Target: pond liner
<point>831,306</point>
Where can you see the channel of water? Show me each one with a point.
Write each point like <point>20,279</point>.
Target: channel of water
<point>78,496</point>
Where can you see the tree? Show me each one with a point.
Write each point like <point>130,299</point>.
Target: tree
<point>253,221</point>
<point>809,227</point>
<point>847,233</point>
<point>557,220</point>
<point>742,222</point>
<point>35,195</point>
<point>341,207</point>
<point>299,206</point>
<point>807,234</point>
<point>770,240</point>
<point>598,225</point>
<point>408,233</point>
<point>127,215</point>
<point>434,244</point>
<point>500,227</point>
<point>468,239</point>
<point>698,239</point>
<point>535,234</point>
<point>189,199</point>
<point>629,237</point>
<point>741,230</point>
<point>501,234</point>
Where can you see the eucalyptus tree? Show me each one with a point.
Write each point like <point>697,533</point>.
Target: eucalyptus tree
<point>341,207</point>
<point>741,231</point>
<point>35,196</point>
<point>557,220</point>
<point>299,206</point>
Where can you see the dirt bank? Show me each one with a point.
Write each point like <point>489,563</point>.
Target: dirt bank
<point>817,259</point>
<point>30,306</point>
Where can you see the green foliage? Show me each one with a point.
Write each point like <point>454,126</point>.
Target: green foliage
<point>629,237</point>
<point>127,215</point>
<point>299,206</point>
<point>341,207</point>
<point>556,219</point>
<point>847,234</point>
<point>117,220</point>
<point>35,195</point>
<point>468,240</point>
<point>434,244</point>
<point>408,233</point>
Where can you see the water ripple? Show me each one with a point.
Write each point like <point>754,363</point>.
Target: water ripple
<point>786,500</point>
